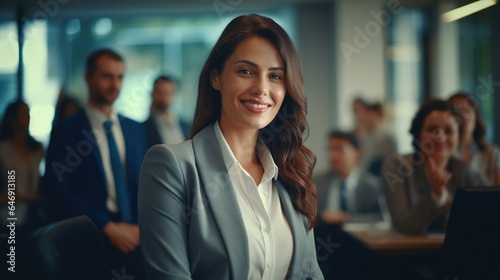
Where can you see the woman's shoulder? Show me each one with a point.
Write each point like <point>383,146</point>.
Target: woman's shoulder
<point>181,151</point>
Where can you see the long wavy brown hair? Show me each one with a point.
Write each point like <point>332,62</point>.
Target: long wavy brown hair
<point>284,135</point>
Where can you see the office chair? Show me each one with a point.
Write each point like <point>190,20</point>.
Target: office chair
<point>69,249</point>
<point>471,249</point>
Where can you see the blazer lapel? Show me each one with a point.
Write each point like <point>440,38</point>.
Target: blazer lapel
<point>221,198</point>
<point>298,226</point>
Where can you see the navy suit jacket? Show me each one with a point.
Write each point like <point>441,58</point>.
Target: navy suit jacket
<point>74,180</point>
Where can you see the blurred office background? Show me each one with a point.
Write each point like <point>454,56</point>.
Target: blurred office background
<point>395,52</point>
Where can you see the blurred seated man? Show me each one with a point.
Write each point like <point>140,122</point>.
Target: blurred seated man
<point>162,126</point>
<point>346,193</point>
<point>377,141</point>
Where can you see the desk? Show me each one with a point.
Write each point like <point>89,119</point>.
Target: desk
<point>398,256</point>
<point>387,241</point>
<point>376,252</point>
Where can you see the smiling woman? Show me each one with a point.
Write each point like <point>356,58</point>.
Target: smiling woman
<point>236,201</point>
<point>420,187</point>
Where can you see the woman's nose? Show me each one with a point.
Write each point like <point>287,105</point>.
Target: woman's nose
<point>260,86</point>
<point>439,136</point>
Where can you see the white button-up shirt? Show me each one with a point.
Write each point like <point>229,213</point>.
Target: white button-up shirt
<point>270,239</point>
<point>96,119</point>
<point>334,193</point>
<point>168,128</point>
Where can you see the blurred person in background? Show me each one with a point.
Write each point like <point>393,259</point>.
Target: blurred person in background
<point>377,142</point>
<point>419,187</point>
<point>347,193</point>
<point>66,107</point>
<point>21,153</point>
<point>359,111</point>
<point>473,149</point>
<point>162,126</point>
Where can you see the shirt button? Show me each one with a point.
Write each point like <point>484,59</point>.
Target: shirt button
<point>268,265</point>
<point>266,194</point>
<point>266,229</point>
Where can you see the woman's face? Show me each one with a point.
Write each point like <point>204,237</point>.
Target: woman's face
<point>467,113</point>
<point>251,85</point>
<point>440,135</point>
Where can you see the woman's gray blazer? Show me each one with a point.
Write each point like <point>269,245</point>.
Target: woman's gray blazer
<point>189,219</point>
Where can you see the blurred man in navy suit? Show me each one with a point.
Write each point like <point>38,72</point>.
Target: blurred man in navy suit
<point>93,163</point>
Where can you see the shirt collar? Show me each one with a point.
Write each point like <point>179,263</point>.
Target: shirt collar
<point>98,117</point>
<point>351,179</point>
<point>166,116</point>
<point>263,153</point>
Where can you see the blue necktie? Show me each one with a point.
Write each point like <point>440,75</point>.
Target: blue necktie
<point>343,196</point>
<point>122,196</point>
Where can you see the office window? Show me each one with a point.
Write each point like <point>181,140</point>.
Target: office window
<point>40,89</point>
<point>8,63</point>
<point>55,52</point>
<point>406,83</point>
<point>174,45</point>
<point>476,64</point>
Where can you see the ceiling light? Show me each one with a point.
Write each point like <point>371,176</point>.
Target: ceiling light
<point>467,10</point>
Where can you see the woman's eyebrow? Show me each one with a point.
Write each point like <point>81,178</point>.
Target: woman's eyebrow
<point>256,66</point>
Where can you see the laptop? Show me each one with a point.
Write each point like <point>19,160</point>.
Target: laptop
<point>471,249</point>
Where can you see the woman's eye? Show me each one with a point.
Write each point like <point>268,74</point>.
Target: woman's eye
<point>449,130</point>
<point>276,77</point>
<point>245,71</point>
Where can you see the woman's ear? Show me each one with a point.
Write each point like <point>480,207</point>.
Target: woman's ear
<point>214,79</point>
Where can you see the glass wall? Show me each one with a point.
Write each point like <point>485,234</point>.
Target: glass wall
<point>476,64</point>
<point>55,52</point>
<point>40,88</point>
<point>406,83</point>
<point>8,63</point>
<point>174,45</point>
